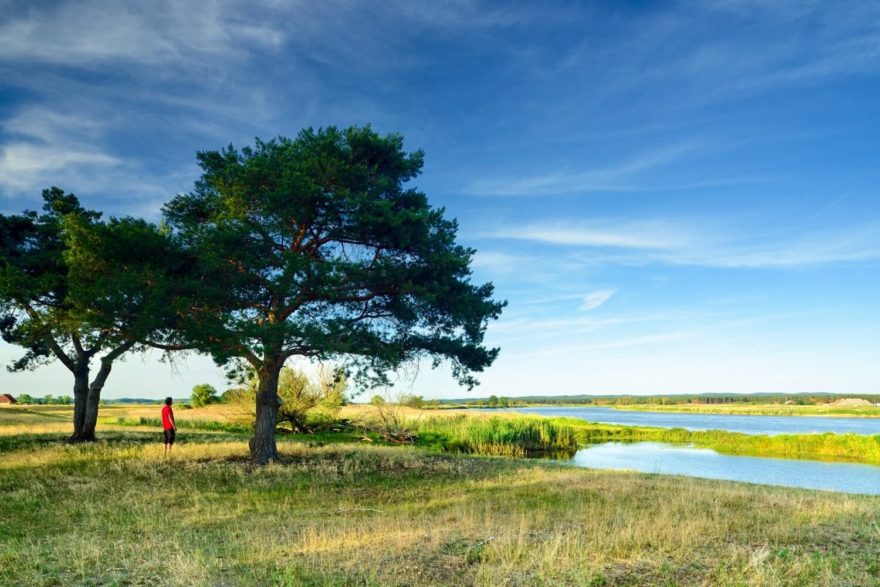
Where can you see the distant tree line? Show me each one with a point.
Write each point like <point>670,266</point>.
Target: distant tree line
<point>671,399</point>
<point>46,400</point>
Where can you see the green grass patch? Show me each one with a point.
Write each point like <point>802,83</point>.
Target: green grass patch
<point>211,425</point>
<point>515,437</point>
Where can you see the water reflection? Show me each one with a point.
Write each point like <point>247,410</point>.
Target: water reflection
<point>655,457</point>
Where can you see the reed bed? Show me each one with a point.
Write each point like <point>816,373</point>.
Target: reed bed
<point>514,437</point>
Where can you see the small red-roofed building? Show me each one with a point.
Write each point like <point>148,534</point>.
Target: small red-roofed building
<point>5,398</point>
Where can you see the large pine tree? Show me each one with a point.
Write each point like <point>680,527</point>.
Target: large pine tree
<point>314,247</point>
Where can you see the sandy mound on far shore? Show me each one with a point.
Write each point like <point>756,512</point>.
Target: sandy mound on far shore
<point>851,401</point>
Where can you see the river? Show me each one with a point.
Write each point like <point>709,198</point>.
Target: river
<point>656,457</point>
<point>770,425</point>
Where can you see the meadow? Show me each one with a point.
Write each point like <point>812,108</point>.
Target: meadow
<point>344,509</point>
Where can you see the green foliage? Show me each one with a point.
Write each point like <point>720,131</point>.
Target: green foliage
<point>46,400</point>
<point>499,436</point>
<point>298,395</point>
<point>377,400</point>
<point>411,400</point>
<point>235,395</point>
<point>203,395</point>
<point>130,279</point>
<point>74,288</point>
<point>304,400</point>
<point>36,312</point>
<point>314,247</point>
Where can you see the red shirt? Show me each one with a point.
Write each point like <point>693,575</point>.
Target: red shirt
<point>167,418</point>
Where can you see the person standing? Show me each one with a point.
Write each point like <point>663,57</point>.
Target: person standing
<point>169,428</point>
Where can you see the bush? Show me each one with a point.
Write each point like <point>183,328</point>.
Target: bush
<point>305,402</point>
<point>203,395</point>
<point>389,424</point>
<point>411,400</point>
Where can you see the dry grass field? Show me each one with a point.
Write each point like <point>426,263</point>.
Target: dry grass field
<point>118,512</point>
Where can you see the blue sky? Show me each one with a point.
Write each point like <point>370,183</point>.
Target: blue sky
<point>673,196</point>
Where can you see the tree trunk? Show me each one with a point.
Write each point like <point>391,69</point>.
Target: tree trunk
<point>88,397</point>
<point>94,398</point>
<point>80,405</point>
<point>262,445</point>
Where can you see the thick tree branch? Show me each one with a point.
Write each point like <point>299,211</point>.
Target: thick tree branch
<point>50,340</point>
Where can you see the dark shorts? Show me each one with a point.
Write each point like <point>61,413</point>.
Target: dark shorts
<point>168,435</point>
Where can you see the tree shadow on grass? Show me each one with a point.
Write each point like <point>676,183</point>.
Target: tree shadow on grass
<point>14,442</point>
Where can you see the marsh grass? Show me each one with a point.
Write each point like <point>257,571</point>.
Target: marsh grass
<point>836,447</point>
<point>119,512</point>
<point>515,437</point>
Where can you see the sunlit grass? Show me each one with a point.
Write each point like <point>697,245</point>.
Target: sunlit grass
<point>121,512</point>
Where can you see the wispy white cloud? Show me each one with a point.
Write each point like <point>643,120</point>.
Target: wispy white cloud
<point>780,10</point>
<point>708,243</point>
<point>621,176</point>
<point>67,148</point>
<point>24,166</point>
<point>574,325</point>
<point>49,148</point>
<point>859,242</point>
<point>616,343</point>
<point>97,31</point>
<point>497,261</point>
<point>462,14</point>
<point>594,299</point>
<point>649,234</point>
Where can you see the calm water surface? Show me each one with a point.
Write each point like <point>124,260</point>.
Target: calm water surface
<point>746,424</point>
<point>655,457</point>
